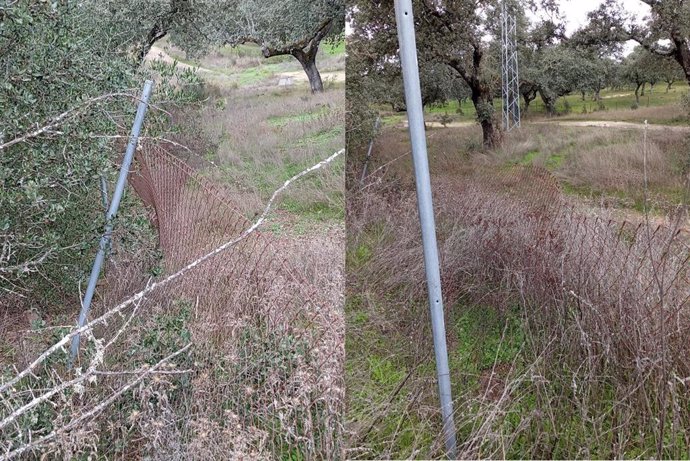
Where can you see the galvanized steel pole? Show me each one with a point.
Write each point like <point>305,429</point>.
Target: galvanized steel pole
<point>112,212</point>
<point>415,116</point>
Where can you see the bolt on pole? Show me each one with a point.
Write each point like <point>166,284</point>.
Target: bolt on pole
<point>112,212</point>
<point>415,116</point>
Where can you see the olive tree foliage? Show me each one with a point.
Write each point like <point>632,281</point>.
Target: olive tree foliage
<point>439,84</point>
<point>665,31</point>
<point>529,50</point>
<point>553,64</point>
<point>562,70</point>
<point>669,70</point>
<point>642,67</point>
<point>652,68</point>
<point>68,77</point>
<point>637,71</point>
<point>281,27</point>
<point>139,24</point>
<point>456,33</point>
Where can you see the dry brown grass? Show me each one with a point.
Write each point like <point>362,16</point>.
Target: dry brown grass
<point>260,138</point>
<point>602,304</point>
<point>655,114</point>
<point>601,165</point>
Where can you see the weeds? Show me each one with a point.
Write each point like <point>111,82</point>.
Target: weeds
<point>555,330</point>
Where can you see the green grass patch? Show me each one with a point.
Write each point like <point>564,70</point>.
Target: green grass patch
<point>315,211</point>
<point>620,99</point>
<point>253,75</point>
<point>282,120</point>
<point>320,138</point>
<point>484,337</point>
<point>393,120</point>
<point>529,157</point>
<point>387,421</point>
<point>555,161</point>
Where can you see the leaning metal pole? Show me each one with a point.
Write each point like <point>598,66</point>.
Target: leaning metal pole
<point>371,147</point>
<point>112,212</point>
<point>415,116</point>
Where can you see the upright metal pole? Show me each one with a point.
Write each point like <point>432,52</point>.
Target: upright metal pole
<point>112,212</point>
<point>415,116</point>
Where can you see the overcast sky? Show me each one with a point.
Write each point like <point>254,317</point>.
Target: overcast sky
<point>575,11</point>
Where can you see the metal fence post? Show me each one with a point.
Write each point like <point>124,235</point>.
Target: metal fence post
<point>112,212</point>
<point>415,116</point>
<point>371,146</point>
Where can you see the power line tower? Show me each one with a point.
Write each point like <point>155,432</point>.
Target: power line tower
<point>509,69</point>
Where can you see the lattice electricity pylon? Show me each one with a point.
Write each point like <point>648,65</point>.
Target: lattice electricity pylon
<point>509,70</point>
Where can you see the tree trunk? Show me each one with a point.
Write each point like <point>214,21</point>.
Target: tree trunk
<point>549,104</point>
<point>583,95</point>
<point>637,93</point>
<point>308,62</point>
<point>643,87</point>
<point>668,86</point>
<point>156,33</point>
<point>481,96</point>
<point>460,111</point>
<point>483,103</point>
<point>528,97</point>
<point>682,54</point>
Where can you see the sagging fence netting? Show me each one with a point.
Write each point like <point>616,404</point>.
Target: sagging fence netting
<point>237,355</point>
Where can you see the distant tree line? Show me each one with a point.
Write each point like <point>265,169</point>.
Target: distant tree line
<point>459,53</point>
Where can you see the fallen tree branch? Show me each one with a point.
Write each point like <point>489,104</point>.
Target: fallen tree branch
<point>95,410</point>
<point>58,119</point>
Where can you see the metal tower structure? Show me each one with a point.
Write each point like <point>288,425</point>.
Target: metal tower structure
<point>509,69</point>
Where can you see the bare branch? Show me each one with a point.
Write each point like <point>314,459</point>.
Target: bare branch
<point>97,409</point>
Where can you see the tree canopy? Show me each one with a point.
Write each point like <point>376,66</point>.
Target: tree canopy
<point>284,27</point>
<point>461,35</point>
<point>664,32</point>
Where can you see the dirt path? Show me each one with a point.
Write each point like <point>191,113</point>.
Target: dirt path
<point>432,124</point>
<point>299,76</point>
<point>613,124</point>
<point>573,123</point>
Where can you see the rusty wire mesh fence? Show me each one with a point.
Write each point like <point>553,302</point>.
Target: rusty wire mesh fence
<point>239,357</point>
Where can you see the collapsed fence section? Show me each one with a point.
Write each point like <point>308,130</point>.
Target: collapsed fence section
<point>245,351</point>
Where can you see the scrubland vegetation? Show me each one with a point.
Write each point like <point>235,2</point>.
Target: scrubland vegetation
<point>236,357</point>
<point>566,293</point>
<point>564,244</point>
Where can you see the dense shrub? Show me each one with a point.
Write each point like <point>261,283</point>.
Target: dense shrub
<point>54,60</point>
